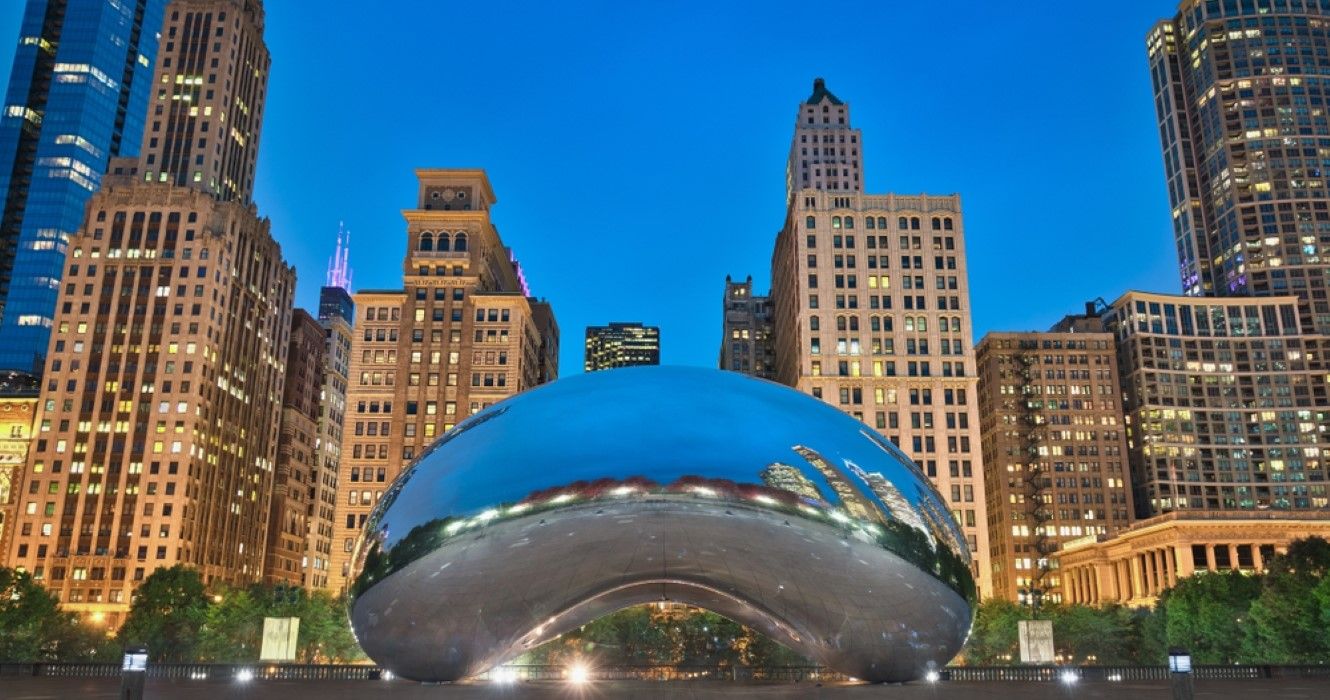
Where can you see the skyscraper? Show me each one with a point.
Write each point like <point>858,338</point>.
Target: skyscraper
<point>161,400</point>
<point>77,97</point>
<point>745,344</point>
<point>621,344</point>
<point>337,316</point>
<point>1225,403</point>
<point>1055,454</point>
<point>871,309</point>
<point>297,468</point>
<point>459,336</point>
<point>1240,90</point>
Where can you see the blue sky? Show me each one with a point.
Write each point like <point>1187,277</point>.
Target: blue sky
<point>638,149</point>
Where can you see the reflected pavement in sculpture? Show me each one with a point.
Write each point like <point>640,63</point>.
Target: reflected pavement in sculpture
<point>614,488</point>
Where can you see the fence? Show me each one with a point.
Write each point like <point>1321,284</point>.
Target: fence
<point>780,674</point>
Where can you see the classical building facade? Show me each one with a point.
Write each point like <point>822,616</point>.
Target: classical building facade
<point>161,401</point>
<point>77,96</point>
<point>1244,152</point>
<point>18,412</point>
<point>1054,451</point>
<point>871,310</point>
<point>621,344</point>
<point>1226,405</point>
<point>295,479</point>
<point>460,335</point>
<point>745,344</point>
<point>1141,563</point>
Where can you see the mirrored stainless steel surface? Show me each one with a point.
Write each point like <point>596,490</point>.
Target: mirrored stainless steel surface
<point>644,484</point>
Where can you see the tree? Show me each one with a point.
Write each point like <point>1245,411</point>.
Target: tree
<point>1206,614</point>
<point>1096,635</point>
<point>168,610</point>
<point>994,639</point>
<point>30,618</point>
<point>1286,623</point>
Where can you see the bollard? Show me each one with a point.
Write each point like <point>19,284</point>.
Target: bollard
<point>1179,673</point>
<point>133,673</point>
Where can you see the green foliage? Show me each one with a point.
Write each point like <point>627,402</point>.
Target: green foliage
<point>169,608</point>
<point>643,635</point>
<point>1206,614</point>
<point>994,639</point>
<point>1286,623</point>
<point>1087,635</point>
<point>33,628</point>
<point>233,627</point>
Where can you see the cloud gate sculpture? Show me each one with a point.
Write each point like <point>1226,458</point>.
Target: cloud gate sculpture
<point>609,489</point>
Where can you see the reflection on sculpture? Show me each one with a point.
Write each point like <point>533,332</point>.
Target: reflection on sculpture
<point>637,485</point>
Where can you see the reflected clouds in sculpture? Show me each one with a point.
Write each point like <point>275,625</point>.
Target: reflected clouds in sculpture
<point>637,485</point>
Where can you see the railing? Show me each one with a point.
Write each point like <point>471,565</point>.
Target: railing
<point>779,674</point>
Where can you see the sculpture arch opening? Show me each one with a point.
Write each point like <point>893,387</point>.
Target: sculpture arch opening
<point>589,495</point>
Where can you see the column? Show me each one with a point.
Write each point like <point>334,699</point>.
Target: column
<point>1186,562</point>
<point>1171,560</point>
<point>1256,557</point>
<point>1137,583</point>
<point>1210,558</point>
<point>1233,557</point>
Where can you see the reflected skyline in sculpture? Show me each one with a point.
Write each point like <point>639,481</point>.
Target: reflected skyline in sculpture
<point>588,495</point>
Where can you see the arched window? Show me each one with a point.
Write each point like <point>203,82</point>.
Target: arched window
<point>810,222</point>
<point>835,222</point>
<point>427,241</point>
<point>840,323</point>
<point>459,242</point>
<point>854,323</point>
<point>956,323</point>
<point>902,223</point>
<point>882,222</point>
<point>849,222</point>
<point>909,323</point>
<point>868,222</point>
<point>946,224</point>
<point>921,324</point>
<point>914,223</point>
<point>875,324</point>
<point>814,324</point>
<point>937,223</point>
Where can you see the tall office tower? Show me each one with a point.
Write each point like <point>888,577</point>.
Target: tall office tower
<point>1226,409</point>
<point>1240,89</point>
<point>161,404</point>
<point>621,344</point>
<point>1055,452</point>
<point>826,152</point>
<point>294,483</point>
<point>871,312</point>
<point>745,344</point>
<point>77,97</point>
<point>460,335</point>
<point>337,316</point>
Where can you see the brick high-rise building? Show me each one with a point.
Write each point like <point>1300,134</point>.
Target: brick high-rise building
<point>77,95</point>
<point>745,344</point>
<point>18,411</point>
<point>161,400</point>
<point>1240,89</point>
<point>621,344</point>
<point>296,477</point>
<point>336,314</point>
<point>871,310</point>
<point>460,335</point>
<point>1054,449</point>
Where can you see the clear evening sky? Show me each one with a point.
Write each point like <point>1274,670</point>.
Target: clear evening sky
<point>638,149</point>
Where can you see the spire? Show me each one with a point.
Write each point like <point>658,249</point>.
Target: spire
<point>339,266</point>
<point>821,92</point>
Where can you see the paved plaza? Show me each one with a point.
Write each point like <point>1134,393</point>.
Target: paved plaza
<point>60,688</point>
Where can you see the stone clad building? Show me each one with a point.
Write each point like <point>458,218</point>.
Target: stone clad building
<point>462,334</point>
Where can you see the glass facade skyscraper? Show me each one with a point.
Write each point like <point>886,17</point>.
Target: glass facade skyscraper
<point>77,97</point>
<point>1241,90</point>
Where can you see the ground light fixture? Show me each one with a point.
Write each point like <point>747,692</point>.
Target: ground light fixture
<point>1069,676</point>
<point>245,675</point>
<point>932,676</point>
<point>579,674</point>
